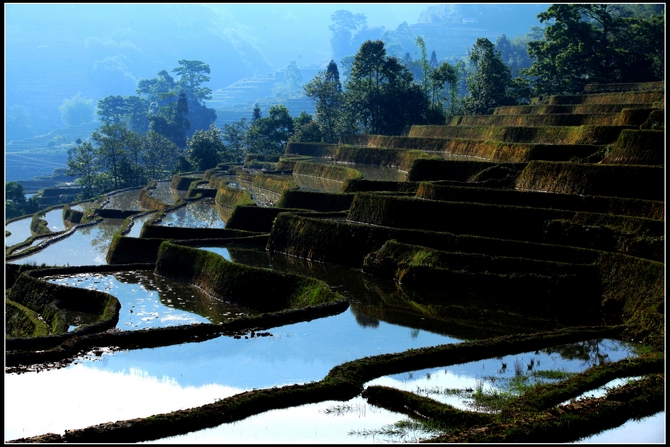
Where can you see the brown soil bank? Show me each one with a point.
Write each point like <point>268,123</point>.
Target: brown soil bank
<point>641,182</point>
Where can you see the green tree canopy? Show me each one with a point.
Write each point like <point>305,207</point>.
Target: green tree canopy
<point>380,95</point>
<point>83,163</point>
<point>234,135</point>
<point>592,43</point>
<point>488,80</point>
<point>269,135</point>
<point>206,148</point>
<point>192,74</point>
<point>15,201</point>
<point>326,92</point>
<point>76,110</point>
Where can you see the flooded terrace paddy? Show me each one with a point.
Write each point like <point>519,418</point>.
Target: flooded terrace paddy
<point>165,194</point>
<point>124,200</point>
<point>20,231</point>
<point>138,222</point>
<point>199,214</point>
<point>54,219</point>
<point>169,378</point>
<point>151,301</point>
<point>355,420</point>
<point>87,245</point>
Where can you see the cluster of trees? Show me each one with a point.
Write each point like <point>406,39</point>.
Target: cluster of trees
<point>167,128</point>
<point>119,157</point>
<point>16,203</point>
<point>145,137</point>
<point>597,43</point>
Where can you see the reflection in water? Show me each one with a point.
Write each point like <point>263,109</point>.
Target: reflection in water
<point>102,396</point>
<point>321,423</point>
<point>126,200</point>
<point>494,373</point>
<point>645,431</point>
<point>86,246</point>
<point>150,301</point>
<point>295,353</point>
<point>138,222</point>
<point>54,220</point>
<point>20,230</point>
<point>386,300</point>
<point>223,252</point>
<point>140,383</point>
<point>201,214</point>
<point>165,194</point>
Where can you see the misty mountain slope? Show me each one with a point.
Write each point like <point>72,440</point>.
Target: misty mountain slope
<point>104,49</point>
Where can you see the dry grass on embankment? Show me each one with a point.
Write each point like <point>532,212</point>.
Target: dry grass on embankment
<point>638,147</point>
<point>625,97</point>
<point>626,117</point>
<point>629,181</point>
<point>595,135</point>
<point>440,190</point>
<point>366,154</point>
<point>486,149</point>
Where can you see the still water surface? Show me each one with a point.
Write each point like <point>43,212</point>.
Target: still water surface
<point>20,230</point>
<point>150,381</point>
<point>151,301</point>
<point>200,214</point>
<point>86,246</point>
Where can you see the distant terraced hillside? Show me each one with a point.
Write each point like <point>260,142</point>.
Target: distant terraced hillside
<point>237,100</point>
<point>32,157</point>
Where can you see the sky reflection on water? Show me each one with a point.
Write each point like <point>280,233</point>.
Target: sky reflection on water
<point>86,246</point>
<point>150,301</point>
<point>54,219</point>
<point>138,222</point>
<point>20,230</point>
<point>200,214</point>
<point>296,353</point>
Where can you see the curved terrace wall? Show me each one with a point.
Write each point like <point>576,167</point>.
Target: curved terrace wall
<point>651,209</point>
<point>597,135</point>
<point>638,147</point>
<point>500,221</point>
<point>252,287</point>
<point>459,170</point>
<point>529,286</point>
<point>52,300</point>
<point>331,172</point>
<point>331,238</point>
<point>229,197</point>
<point>315,200</point>
<point>255,218</point>
<point>639,182</point>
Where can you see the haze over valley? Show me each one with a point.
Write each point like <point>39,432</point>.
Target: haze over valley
<point>55,52</point>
